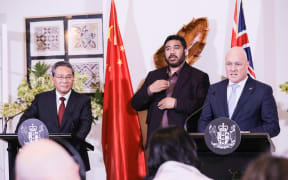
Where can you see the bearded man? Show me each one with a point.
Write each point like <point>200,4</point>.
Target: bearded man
<point>173,92</point>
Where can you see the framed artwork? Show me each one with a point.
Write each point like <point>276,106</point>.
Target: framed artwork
<point>77,39</point>
<point>47,38</point>
<point>85,36</point>
<point>92,67</point>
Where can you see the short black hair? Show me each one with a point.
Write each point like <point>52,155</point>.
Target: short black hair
<point>176,37</point>
<point>61,63</point>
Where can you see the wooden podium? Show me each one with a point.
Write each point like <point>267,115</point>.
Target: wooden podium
<point>13,147</point>
<point>232,165</point>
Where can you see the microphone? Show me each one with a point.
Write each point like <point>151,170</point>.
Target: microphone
<point>6,119</point>
<point>5,124</point>
<point>198,110</point>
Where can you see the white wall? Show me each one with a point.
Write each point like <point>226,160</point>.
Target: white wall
<point>145,24</point>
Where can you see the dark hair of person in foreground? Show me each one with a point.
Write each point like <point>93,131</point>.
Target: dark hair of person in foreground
<point>170,144</point>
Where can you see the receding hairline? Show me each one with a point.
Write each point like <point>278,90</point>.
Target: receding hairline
<point>61,64</point>
<point>236,51</point>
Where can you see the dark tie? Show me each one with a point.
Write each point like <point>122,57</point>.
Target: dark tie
<point>61,110</point>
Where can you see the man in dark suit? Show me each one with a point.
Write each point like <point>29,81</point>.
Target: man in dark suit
<point>251,104</point>
<point>63,110</point>
<point>172,93</point>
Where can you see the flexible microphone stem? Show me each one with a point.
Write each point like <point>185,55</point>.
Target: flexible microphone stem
<point>195,112</point>
<point>5,128</point>
<point>5,121</point>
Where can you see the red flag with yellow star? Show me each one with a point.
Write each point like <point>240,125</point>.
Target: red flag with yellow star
<point>121,135</point>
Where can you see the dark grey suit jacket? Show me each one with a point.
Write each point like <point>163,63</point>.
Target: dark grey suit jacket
<point>190,91</point>
<point>255,111</point>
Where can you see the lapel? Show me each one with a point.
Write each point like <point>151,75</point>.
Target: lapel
<point>223,97</point>
<point>162,74</point>
<point>52,104</point>
<point>244,97</point>
<point>182,79</point>
<point>68,109</point>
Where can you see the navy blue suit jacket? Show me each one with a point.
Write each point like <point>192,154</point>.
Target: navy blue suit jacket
<point>190,91</point>
<point>77,118</point>
<point>255,111</point>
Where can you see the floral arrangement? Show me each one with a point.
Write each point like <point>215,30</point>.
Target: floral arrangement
<point>97,104</point>
<point>284,87</point>
<point>40,82</point>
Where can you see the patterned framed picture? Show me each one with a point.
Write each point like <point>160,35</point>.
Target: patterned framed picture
<point>76,38</point>
<point>93,68</point>
<point>47,38</point>
<point>85,36</point>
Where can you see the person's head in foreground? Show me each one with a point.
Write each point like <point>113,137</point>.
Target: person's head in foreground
<point>45,160</point>
<point>267,167</point>
<point>172,148</point>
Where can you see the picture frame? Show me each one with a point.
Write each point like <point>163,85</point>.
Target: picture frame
<point>92,67</point>
<point>85,36</point>
<point>74,38</point>
<point>47,38</point>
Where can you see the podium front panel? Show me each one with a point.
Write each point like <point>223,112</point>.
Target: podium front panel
<point>232,165</point>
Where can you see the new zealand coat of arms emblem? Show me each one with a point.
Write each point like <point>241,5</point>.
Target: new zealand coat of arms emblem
<point>222,136</point>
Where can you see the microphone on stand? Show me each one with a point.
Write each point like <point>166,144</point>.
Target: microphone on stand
<point>5,127</point>
<point>195,112</point>
<point>8,119</point>
<point>4,121</point>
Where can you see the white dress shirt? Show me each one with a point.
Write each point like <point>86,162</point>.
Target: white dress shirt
<point>238,90</point>
<point>58,95</point>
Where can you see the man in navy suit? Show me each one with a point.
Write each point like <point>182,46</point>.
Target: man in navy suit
<point>172,93</point>
<point>251,106</point>
<point>76,112</point>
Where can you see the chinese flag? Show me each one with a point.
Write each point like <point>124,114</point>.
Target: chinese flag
<point>121,135</point>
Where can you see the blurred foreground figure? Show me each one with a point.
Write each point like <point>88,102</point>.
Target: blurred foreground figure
<point>45,160</point>
<point>267,167</point>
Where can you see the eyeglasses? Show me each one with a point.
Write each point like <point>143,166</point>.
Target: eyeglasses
<point>68,78</point>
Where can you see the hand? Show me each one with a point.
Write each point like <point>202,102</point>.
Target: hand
<point>167,103</point>
<point>158,85</point>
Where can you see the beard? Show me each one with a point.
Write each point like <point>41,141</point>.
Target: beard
<point>176,64</point>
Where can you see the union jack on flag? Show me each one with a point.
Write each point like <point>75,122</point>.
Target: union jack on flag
<point>240,36</point>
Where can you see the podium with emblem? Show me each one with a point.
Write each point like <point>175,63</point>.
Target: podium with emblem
<point>32,130</point>
<point>14,146</point>
<point>225,153</point>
